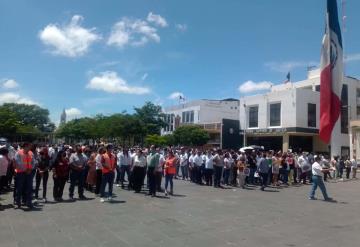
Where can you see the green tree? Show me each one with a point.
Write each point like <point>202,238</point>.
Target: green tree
<point>151,118</point>
<point>32,115</point>
<point>9,122</point>
<point>190,136</point>
<point>156,140</point>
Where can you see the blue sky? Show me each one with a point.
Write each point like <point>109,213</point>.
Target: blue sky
<point>108,56</point>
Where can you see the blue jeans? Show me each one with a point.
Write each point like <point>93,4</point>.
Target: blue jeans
<point>185,171</point>
<point>226,176</point>
<point>169,179</point>
<point>318,181</point>
<point>251,175</point>
<point>107,178</point>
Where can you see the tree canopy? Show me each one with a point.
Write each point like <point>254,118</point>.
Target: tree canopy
<point>24,121</point>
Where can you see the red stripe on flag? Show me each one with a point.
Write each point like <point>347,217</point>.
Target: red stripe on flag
<point>330,105</point>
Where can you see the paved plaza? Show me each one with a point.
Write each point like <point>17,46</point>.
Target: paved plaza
<point>194,216</point>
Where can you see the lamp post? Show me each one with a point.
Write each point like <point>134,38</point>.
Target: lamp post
<point>245,121</point>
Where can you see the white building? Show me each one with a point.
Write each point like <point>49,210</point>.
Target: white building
<point>288,116</point>
<point>208,114</point>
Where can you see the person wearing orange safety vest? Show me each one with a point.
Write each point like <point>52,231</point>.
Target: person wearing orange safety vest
<point>170,171</point>
<point>108,161</point>
<point>24,164</point>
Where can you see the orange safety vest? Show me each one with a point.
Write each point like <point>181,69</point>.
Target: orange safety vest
<point>110,162</point>
<point>170,166</point>
<point>26,160</point>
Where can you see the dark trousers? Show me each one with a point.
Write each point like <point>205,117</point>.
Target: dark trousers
<point>138,176</point>
<point>251,177</point>
<point>209,177</point>
<point>152,180</point>
<point>234,175</point>
<point>44,177</point>
<point>123,170</point>
<point>217,175</point>
<point>348,170</point>
<point>23,188</point>
<point>77,178</point>
<point>107,179</point>
<point>169,180</point>
<point>98,181</point>
<point>263,180</point>
<point>226,176</point>
<point>158,178</point>
<point>59,184</point>
<point>198,178</point>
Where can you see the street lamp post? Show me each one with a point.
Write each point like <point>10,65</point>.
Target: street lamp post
<point>245,121</point>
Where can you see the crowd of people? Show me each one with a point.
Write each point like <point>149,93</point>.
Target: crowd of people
<point>97,168</point>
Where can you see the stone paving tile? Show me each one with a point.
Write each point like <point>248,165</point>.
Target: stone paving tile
<point>200,216</point>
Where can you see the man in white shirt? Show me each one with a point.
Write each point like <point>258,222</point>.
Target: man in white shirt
<point>209,166</point>
<point>354,167</point>
<point>184,164</point>
<point>317,178</point>
<point>197,160</point>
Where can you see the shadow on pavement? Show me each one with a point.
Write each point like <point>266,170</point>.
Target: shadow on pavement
<point>7,206</point>
<point>178,195</point>
<point>116,202</point>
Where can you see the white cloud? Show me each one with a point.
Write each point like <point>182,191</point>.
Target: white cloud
<point>176,95</point>
<point>110,82</point>
<point>10,84</point>
<point>352,57</point>
<point>285,67</point>
<point>143,78</point>
<point>72,112</point>
<point>251,86</point>
<point>132,32</point>
<point>15,98</point>
<point>71,40</point>
<point>181,27</point>
<point>157,20</point>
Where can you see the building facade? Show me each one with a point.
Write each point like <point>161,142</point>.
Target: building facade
<point>208,114</point>
<point>288,117</point>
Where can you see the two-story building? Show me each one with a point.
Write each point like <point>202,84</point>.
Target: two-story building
<point>211,115</point>
<point>288,116</point>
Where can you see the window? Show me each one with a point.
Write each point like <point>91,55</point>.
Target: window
<point>317,88</point>
<point>311,115</point>
<point>187,117</point>
<point>358,110</point>
<point>253,116</point>
<point>275,114</point>
<point>358,93</point>
<point>344,110</point>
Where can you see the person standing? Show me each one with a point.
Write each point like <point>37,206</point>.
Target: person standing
<point>153,162</point>
<point>354,167</point>
<point>263,170</point>
<point>276,169</point>
<point>77,162</point>
<point>240,172</point>
<point>60,175</point>
<point>227,168</point>
<point>91,176</point>
<point>4,164</point>
<point>170,170</point>
<point>160,171</point>
<point>108,162</point>
<point>42,173</point>
<point>24,163</point>
<point>197,161</point>
<point>98,158</point>
<point>139,170</point>
<point>218,168</point>
<point>347,164</point>
<point>124,164</point>
<point>317,179</point>
<point>184,165</point>
<point>209,167</point>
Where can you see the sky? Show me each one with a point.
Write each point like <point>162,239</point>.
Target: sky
<point>108,56</point>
